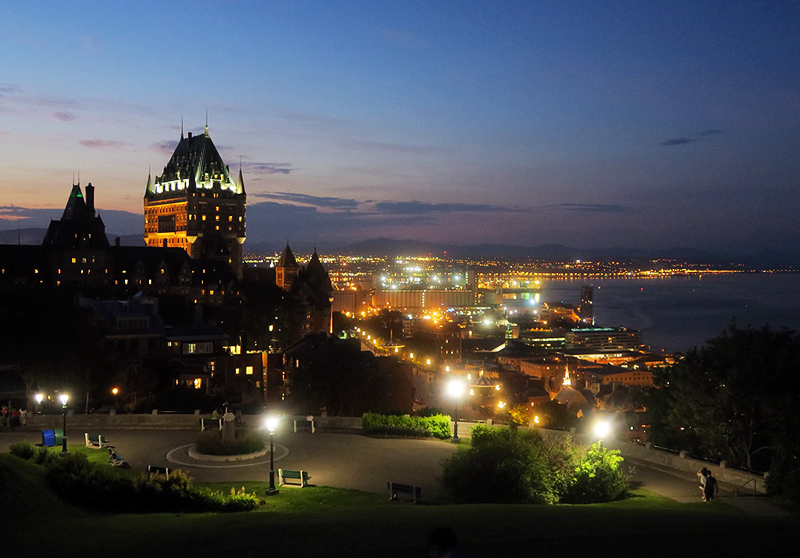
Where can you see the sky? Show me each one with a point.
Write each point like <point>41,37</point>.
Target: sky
<point>584,123</point>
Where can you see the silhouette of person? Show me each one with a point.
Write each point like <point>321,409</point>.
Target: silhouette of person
<point>442,543</point>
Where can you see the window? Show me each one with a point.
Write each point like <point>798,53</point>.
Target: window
<point>237,371</point>
<point>249,371</point>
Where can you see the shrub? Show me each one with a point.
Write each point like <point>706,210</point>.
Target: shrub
<point>598,477</point>
<point>505,466</point>
<point>402,425</point>
<point>23,450</point>
<point>211,443</point>
<point>77,480</point>
<point>784,476</point>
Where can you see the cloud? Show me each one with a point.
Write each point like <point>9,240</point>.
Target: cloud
<point>697,137</point>
<point>417,207</point>
<point>167,146</point>
<point>64,116</point>
<point>677,141</point>
<point>269,168</point>
<point>11,213</point>
<point>6,88</point>
<point>102,144</point>
<point>316,201</point>
<point>589,207</point>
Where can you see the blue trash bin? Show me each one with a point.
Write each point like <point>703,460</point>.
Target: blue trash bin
<point>48,438</point>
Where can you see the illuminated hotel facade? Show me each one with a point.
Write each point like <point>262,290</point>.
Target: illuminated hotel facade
<point>196,205</point>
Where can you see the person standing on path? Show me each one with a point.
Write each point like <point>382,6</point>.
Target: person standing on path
<point>701,475</point>
<point>711,487</point>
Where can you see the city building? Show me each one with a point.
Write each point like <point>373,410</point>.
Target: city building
<point>196,205</point>
<point>603,338</point>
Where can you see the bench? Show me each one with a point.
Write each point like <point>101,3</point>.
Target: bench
<point>308,419</point>
<point>154,470</point>
<point>115,459</point>
<point>211,423</point>
<point>396,489</point>
<point>300,476</point>
<point>95,440</point>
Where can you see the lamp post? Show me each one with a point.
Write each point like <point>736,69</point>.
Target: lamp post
<point>115,391</point>
<point>271,423</point>
<point>39,397</point>
<point>64,398</point>
<point>455,388</point>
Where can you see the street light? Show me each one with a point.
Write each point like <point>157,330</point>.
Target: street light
<point>64,398</point>
<point>601,429</point>
<point>39,397</point>
<point>455,388</point>
<point>271,423</point>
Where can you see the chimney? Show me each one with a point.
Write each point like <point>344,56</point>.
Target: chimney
<point>189,135</point>
<point>90,197</point>
<point>116,241</point>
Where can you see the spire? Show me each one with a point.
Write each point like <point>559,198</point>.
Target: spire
<point>181,127</point>
<point>206,122</point>
<point>287,259</point>
<point>149,188</point>
<point>240,184</point>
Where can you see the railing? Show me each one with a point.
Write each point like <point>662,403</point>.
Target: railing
<point>737,489</point>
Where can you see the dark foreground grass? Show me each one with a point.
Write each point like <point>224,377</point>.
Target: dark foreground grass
<point>320,522</point>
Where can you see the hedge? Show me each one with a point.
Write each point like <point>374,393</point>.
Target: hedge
<point>437,426</point>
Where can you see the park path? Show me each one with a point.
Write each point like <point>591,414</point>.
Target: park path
<point>348,460</point>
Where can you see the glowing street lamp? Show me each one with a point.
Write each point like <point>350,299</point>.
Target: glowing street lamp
<point>64,398</point>
<point>601,429</point>
<point>271,423</point>
<point>455,388</point>
<point>39,397</point>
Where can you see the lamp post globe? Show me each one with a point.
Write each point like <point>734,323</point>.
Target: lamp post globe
<point>271,423</point>
<point>39,397</point>
<point>454,389</point>
<point>63,398</point>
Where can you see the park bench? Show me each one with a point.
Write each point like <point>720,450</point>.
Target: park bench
<point>300,476</point>
<point>155,470</point>
<point>115,459</point>
<point>95,440</point>
<point>211,423</point>
<point>308,420</point>
<point>396,489</point>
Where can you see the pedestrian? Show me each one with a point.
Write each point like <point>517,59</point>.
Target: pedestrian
<point>23,417</point>
<point>15,414</point>
<point>5,416</point>
<point>701,476</point>
<point>711,487</point>
<point>442,543</point>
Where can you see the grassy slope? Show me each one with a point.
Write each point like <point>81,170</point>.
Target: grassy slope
<point>331,522</point>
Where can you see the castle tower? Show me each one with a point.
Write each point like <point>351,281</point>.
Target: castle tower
<point>196,205</point>
<point>286,270</point>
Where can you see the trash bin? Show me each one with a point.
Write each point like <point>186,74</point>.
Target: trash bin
<point>48,438</point>
<point>59,436</point>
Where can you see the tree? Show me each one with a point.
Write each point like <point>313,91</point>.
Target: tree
<point>734,397</point>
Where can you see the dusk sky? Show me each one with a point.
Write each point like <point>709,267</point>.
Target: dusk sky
<point>584,123</point>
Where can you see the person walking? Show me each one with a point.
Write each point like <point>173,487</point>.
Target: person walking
<point>711,488</point>
<point>701,477</point>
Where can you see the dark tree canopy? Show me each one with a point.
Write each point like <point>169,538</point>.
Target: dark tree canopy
<point>734,398</point>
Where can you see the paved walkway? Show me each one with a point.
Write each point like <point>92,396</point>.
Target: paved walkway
<point>363,463</point>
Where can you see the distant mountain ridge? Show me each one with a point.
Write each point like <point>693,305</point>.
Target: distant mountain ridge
<point>390,247</point>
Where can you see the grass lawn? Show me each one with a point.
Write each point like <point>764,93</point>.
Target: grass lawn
<point>323,521</point>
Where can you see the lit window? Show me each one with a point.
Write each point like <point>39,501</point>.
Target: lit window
<point>249,371</point>
<point>237,371</point>
<point>198,383</point>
